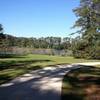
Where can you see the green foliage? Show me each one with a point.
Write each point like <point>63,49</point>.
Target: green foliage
<point>1,29</point>
<point>20,45</point>
<point>88,46</point>
<point>9,43</point>
<point>84,49</point>
<point>95,52</point>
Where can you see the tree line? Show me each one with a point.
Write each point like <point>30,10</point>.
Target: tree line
<point>85,45</point>
<point>46,43</point>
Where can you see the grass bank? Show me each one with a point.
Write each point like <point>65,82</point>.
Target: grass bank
<point>14,66</point>
<point>82,84</point>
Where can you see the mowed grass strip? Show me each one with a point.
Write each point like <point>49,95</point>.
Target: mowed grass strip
<point>14,66</point>
<point>82,84</point>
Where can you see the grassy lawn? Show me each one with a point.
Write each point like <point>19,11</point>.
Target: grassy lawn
<point>17,65</point>
<point>98,66</point>
<point>82,84</point>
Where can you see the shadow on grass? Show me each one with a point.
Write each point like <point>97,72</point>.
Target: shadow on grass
<point>4,78</point>
<point>3,56</point>
<point>39,87</point>
<point>81,84</point>
<point>17,64</point>
<point>11,69</point>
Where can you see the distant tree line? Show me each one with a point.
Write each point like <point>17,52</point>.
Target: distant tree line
<point>86,45</point>
<point>46,43</point>
<point>10,43</point>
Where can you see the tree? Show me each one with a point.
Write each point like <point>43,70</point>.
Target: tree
<point>1,29</point>
<point>2,36</point>
<point>88,14</point>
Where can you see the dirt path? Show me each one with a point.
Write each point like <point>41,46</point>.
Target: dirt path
<point>43,84</point>
<point>89,63</point>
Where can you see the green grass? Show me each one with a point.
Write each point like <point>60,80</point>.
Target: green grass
<point>98,66</point>
<point>82,84</point>
<point>13,66</point>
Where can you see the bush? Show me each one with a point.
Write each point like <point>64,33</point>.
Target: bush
<point>88,53</point>
<point>95,52</point>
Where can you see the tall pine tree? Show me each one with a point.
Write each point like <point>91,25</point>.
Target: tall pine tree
<point>88,14</point>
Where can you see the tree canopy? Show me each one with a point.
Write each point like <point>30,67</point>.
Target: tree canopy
<point>88,21</point>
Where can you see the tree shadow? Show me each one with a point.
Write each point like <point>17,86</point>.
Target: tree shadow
<point>36,88</point>
<point>3,56</point>
<point>14,64</point>
<point>77,84</point>
<point>11,69</point>
<point>35,85</point>
<point>4,78</point>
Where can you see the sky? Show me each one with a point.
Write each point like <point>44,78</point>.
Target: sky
<point>38,18</point>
